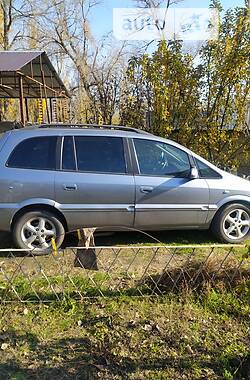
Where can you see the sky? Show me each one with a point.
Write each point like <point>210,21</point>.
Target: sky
<point>102,17</point>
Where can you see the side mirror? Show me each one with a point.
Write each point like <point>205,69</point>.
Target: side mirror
<point>194,174</point>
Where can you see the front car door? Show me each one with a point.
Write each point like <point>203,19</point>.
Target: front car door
<point>166,197</point>
<point>93,186</point>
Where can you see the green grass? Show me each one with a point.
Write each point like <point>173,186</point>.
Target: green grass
<point>170,337</point>
<point>183,335</point>
<point>51,278</point>
<point>123,272</point>
<point>155,238</point>
<point>138,238</point>
<point>161,237</point>
<point>57,287</point>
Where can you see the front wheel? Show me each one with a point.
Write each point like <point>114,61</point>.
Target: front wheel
<point>232,224</point>
<point>35,230</point>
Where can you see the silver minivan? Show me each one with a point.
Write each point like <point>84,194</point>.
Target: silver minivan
<point>55,179</point>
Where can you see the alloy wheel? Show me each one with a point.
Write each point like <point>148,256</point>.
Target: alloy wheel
<point>236,224</point>
<point>37,233</point>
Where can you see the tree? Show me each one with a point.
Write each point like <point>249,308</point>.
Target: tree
<point>104,82</point>
<point>6,21</point>
<point>95,67</point>
<point>156,3</point>
<point>203,106</point>
<point>165,87</point>
<point>224,88</point>
<point>12,16</point>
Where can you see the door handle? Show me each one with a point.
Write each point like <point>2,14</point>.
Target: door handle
<point>146,189</point>
<point>70,187</point>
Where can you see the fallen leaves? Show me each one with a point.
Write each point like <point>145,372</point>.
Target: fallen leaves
<point>4,346</point>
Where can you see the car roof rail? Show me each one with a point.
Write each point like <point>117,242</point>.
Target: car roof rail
<point>6,126</point>
<point>97,126</point>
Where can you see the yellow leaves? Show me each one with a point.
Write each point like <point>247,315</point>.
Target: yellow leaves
<point>228,45</point>
<point>1,26</point>
<point>204,107</point>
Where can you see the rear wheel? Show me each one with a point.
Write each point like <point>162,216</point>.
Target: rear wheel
<point>35,231</point>
<point>232,223</point>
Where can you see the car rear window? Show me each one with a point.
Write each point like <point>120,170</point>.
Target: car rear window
<point>100,154</point>
<point>34,153</point>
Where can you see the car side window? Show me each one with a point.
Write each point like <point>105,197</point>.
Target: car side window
<point>157,158</point>
<point>100,154</point>
<point>68,157</point>
<point>205,171</point>
<point>34,153</point>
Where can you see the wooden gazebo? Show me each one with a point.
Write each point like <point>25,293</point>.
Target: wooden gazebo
<point>28,75</point>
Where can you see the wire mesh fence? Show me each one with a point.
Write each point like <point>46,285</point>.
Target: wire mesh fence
<point>113,271</point>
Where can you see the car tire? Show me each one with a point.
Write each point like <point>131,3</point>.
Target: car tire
<point>34,231</point>
<point>232,223</point>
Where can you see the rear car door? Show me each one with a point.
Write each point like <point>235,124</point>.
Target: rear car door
<point>166,197</point>
<point>94,187</point>
<point>28,166</point>
<point>30,170</point>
